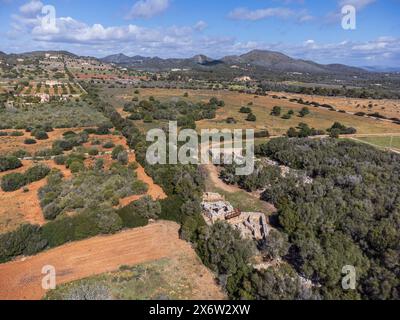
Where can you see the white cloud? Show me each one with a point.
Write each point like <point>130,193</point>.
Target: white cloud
<point>31,8</point>
<point>279,12</point>
<point>358,4</point>
<point>148,8</point>
<point>200,25</point>
<point>258,14</point>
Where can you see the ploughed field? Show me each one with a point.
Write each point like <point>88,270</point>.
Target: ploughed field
<point>23,279</point>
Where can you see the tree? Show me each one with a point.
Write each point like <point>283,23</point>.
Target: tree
<point>304,112</point>
<point>276,245</point>
<point>245,110</point>
<point>116,151</point>
<point>13,181</point>
<point>9,163</point>
<point>276,111</point>
<point>251,117</point>
<point>123,157</point>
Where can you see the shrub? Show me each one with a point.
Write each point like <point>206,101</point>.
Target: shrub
<point>116,151</point>
<point>139,187</point>
<point>21,153</point>
<point>103,130</point>
<point>64,145</point>
<point>60,160</point>
<point>76,166</point>
<point>30,141</point>
<point>251,117</point>
<point>93,152</point>
<point>135,116</point>
<point>68,134</point>
<point>13,181</point>
<point>304,112</point>
<point>123,158</point>
<point>245,110</point>
<point>36,173</point>
<point>148,118</point>
<point>276,111</point>
<point>3,134</point>
<point>262,134</point>
<point>41,135</point>
<point>286,116</point>
<point>16,134</point>
<point>9,163</point>
<point>26,240</point>
<point>109,145</point>
<point>131,219</point>
<point>99,164</point>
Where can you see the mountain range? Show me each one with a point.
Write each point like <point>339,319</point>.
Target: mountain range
<point>261,59</point>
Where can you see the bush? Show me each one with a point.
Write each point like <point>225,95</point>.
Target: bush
<point>93,152</point>
<point>76,166</point>
<point>9,163</point>
<point>108,145</point>
<point>245,110</point>
<point>64,145</point>
<point>135,116</point>
<point>40,135</point>
<point>103,130</point>
<point>26,240</point>
<point>304,112</point>
<point>251,117</point>
<point>123,158</point>
<point>36,173</point>
<point>30,141</point>
<point>276,111</point>
<point>138,212</point>
<point>116,151</point>
<point>60,160</point>
<point>139,187</point>
<point>21,153</point>
<point>16,134</point>
<point>262,134</point>
<point>131,219</point>
<point>13,182</point>
<point>89,223</point>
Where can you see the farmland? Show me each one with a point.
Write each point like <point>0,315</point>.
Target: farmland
<point>59,115</point>
<point>261,107</point>
<point>21,279</point>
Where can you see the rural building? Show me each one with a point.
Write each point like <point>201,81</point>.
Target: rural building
<point>251,225</point>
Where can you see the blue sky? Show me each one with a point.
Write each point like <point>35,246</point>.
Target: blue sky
<point>308,29</point>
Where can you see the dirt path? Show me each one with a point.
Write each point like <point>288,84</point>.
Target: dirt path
<point>22,279</point>
<point>218,183</point>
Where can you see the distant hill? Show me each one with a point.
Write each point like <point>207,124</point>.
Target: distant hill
<point>382,69</point>
<point>260,59</point>
<point>156,63</point>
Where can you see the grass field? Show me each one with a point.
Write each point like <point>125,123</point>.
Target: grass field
<point>382,142</point>
<point>262,107</point>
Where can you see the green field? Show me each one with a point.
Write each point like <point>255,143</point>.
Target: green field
<point>383,141</point>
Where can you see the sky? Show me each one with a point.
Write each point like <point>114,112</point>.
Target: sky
<point>306,29</point>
